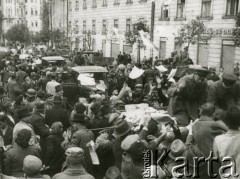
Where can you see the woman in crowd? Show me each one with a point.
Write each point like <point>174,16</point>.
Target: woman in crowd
<point>15,156</point>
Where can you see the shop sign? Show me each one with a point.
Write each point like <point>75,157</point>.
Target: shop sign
<point>218,32</point>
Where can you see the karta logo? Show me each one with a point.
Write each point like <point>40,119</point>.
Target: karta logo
<point>226,168</point>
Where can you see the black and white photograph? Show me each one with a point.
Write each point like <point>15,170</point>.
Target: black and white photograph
<point>119,89</point>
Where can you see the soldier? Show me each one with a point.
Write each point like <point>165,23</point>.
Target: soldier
<point>189,94</point>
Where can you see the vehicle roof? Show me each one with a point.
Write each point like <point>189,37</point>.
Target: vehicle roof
<point>89,52</point>
<point>53,58</point>
<point>89,69</point>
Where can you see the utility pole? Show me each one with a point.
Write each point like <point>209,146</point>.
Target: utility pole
<point>50,20</point>
<point>152,23</point>
<point>67,23</point>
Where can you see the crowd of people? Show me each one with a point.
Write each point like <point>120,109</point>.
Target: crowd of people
<point>49,129</point>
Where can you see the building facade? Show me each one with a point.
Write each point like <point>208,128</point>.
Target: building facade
<point>218,17</point>
<point>22,12</point>
<point>58,12</point>
<point>91,24</point>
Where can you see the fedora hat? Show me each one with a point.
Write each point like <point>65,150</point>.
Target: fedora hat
<point>177,149</point>
<point>40,107</point>
<point>31,93</point>
<point>23,112</point>
<point>57,99</point>
<point>122,128</point>
<point>58,88</point>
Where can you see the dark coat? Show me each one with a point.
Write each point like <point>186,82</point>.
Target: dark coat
<point>14,160</point>
<point>55,156</point>
<point>57,114</point>
<point>40,128</point>
<point>39,125</point>
<point>224,98</point>
<point>190,97</point>
<point>117,152</point>
<point>204,132</point>
<point>7,138</point>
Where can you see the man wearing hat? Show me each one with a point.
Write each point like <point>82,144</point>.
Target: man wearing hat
<point>31,98</point>
<point>81,136</point>
<point>50,87</point>
<point>189,94</point>
<point>27,84</point>
<point>38,123</point>
<point>32,167</point>
<point>121,131</point>
<point>225,93</point>
<point>75,160</point>
<point>57,113</point>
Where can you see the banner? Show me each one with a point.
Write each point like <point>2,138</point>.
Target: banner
<point>147,42</point>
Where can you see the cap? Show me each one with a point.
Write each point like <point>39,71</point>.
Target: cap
<point>74,152</point>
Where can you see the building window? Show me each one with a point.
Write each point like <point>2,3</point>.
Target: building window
<point>36,23</point>
<point>94,4</point>
<point>84,27</point>
<point>165,12</point>
<point>94,27</point>
<point>128,25</point>
<point>76,27</point>
<point>115,23</point>
<point>32,24</point>
<point>206,8</point>
<point>36,12</point>
<point>104,27</point>
<point>180,9</point>
<point>70,6</point>
<point>129,1</point>
<point>104,3</point>
<point>232,7</point>
<point>84,4</point>
<point>31,11</point>
<point>77,5</point>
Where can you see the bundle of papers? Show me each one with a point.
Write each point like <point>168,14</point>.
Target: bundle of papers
<point>136,73</point>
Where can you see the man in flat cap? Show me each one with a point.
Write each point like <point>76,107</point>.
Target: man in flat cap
<point>75,161</point>
<point>225,93</point>
<point>189,94</point>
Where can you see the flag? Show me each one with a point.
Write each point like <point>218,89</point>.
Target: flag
<point>147,42</point>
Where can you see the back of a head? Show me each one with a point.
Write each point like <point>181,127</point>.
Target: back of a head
<point>23,137</point>
<point>233,118</point>
<point>207,109</point>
